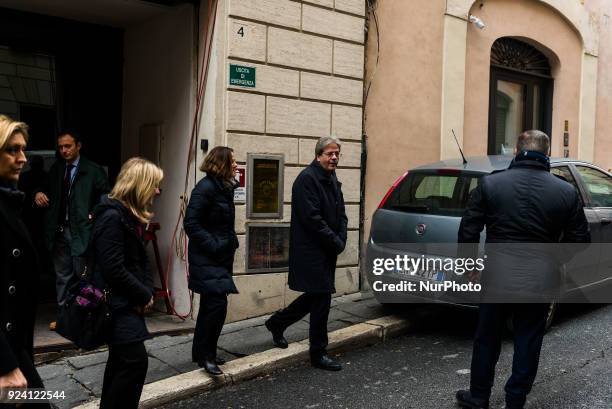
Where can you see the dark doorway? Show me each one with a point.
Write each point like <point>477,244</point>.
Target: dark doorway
<point>42,121</point>
<point>84,87</point>
<point>60,74</point>
<point>521,90</point>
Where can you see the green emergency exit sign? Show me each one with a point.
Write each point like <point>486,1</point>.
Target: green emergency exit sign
<point>242,76</point>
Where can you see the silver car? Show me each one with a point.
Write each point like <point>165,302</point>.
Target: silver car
<point>423,210</point>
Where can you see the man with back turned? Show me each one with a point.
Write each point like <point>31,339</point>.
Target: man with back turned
<point>523,204</point>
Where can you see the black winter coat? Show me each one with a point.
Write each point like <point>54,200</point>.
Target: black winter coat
<point>523,204</point>
<point>19,272</point>
<point>209,224</point>
<point>318,230</point>
<point>122,266</point>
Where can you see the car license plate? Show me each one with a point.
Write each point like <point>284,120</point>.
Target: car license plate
<point>420,273</point>
<point>430,274</point>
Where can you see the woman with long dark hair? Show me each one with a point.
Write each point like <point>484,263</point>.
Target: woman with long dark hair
<point>121,263</point>
<point>209,224</point>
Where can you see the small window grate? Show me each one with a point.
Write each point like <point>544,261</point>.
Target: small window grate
<point>517,55</point>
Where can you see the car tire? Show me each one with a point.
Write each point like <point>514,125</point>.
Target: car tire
<point>552,309</point>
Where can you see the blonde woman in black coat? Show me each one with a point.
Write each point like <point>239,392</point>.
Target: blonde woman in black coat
<point>122,266</point>
<point>209,224</point>
<point>19,267</point>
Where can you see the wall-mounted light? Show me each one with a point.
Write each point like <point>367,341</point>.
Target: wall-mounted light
<point>477,22</point>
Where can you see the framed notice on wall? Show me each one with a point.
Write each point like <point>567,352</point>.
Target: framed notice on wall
<point>265,186</point>
<point>240,191</point>
<point>267,247</point>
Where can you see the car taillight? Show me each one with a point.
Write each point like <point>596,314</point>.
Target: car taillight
<point>397,182</point>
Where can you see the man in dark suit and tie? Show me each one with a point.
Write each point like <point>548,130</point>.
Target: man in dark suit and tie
<point>73,188</point>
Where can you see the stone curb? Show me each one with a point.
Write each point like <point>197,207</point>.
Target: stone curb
<point>188,384</point>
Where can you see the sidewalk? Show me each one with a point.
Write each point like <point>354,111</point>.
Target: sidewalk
<point>80,376</point>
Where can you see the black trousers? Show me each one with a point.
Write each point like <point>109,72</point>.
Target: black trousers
<point>211,316</point>
<point>124,376</point>
<point>66,266</point>
<point>317,304</point>
<point>529,322</point>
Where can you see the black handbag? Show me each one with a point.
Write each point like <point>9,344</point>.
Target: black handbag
<point>85,318</point>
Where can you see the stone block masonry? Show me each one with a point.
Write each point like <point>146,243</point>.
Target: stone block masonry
<point>305,60</point>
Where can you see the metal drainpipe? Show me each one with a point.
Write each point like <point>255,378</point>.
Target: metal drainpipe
<point>364,158</point>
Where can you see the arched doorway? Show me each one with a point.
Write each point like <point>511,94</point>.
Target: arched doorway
<point>521,92</point>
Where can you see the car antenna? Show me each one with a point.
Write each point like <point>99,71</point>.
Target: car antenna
<point>459,146</point>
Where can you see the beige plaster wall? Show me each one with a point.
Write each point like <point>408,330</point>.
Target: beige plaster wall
<point>453,87</point>
<point>603,121</point>
<point>586,142</point>
<point>159,89</point>
<point>565,53</point>
<point>577,15</point>
<point>403,108</point>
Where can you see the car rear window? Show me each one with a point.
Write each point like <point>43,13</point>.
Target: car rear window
<point>432,193</point>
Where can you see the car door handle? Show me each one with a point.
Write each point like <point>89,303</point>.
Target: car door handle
<point>605,221</point>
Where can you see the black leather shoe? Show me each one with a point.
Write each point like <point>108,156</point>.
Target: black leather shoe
<point>211,367</point>
<point>219,361</point>
<point>466,400</point>
<point>325,362</point>
<point>277,336</point>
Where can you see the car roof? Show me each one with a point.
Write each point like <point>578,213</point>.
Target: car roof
<point>484,164</point>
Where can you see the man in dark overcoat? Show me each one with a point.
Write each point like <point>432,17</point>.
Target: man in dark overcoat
<point>525,210</point>
<point>19,268</point>
<point>73,187</point>
<point>317,237</point>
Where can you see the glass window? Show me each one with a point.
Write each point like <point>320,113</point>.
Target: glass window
<point>436,186</point>
<point>432,194</point>
<point>565,173</point>
<point>520,93</point>
<point>265,185</point>
<point>537,97</point>
<point>267,247</point>
<point>509,115</point>
<point>598,184</point>
<point>28,93</point>
<point>473,184</point>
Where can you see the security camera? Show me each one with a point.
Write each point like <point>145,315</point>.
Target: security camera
<point>477,22</point>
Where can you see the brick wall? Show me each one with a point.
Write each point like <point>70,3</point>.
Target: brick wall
<point>308,56</point>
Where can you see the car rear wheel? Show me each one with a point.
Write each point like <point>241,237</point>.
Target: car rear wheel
<point>552,309</point>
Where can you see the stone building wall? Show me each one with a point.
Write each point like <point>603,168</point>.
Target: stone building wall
<point>309,66</point>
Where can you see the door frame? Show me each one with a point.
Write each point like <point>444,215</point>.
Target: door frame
<point>546,84</point>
